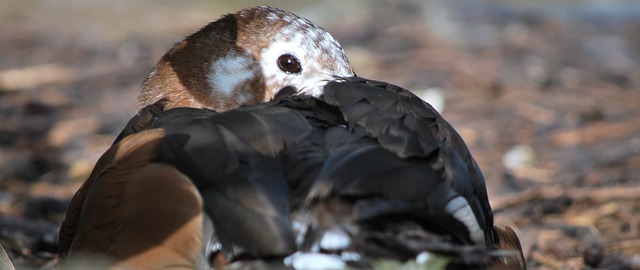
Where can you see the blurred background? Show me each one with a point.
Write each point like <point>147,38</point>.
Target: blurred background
<point>545,93</point>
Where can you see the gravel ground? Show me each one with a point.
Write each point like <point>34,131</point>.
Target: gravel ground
<point>545,93</point>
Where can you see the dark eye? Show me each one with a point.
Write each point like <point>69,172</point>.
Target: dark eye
<point>289,63</point>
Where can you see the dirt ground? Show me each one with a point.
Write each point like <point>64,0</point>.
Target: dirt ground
<point>546,95</point>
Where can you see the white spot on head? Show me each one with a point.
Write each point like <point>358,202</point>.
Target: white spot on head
<point>459,208</point>
<point>272,16</point>
<point>152,73</point>
<point>300,260</point>
<point>227,73</point>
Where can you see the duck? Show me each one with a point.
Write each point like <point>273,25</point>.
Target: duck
<point>256,143</point>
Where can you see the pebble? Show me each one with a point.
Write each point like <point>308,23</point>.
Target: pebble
<point>519,156</point>
<point>434,96</point>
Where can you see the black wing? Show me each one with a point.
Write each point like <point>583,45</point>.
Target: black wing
<point>367,159</point>
<point>367,168</point>
<point>394,180</point>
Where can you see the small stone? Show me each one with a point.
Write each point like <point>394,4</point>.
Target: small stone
<point>591,249</point>
<point>519,156</point>
<point>433,96</point>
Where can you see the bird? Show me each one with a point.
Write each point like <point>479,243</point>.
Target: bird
<point>256,142</point>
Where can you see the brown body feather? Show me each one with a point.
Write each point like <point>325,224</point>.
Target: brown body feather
<point>134,212</point>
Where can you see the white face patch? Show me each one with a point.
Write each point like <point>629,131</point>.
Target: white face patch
<point>227,73</point>
<point>321,57</point>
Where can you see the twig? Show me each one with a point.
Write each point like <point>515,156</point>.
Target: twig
<point>597,194</point>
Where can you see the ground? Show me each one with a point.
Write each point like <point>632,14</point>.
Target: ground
<point>545,94</point>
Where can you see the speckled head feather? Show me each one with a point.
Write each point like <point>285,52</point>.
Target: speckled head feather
<point>234,61</point>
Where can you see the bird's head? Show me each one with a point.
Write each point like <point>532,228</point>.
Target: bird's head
<point>245,58</point>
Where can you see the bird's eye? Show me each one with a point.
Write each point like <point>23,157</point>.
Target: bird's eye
<point>289,63</point>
